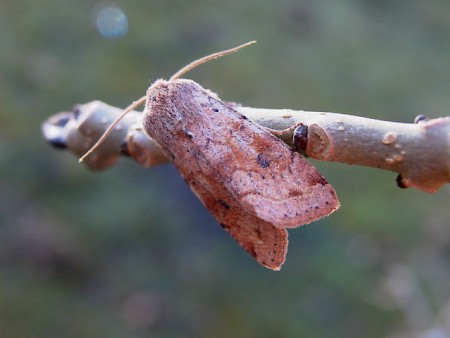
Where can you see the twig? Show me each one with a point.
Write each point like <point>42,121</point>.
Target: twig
<point>418,152</point>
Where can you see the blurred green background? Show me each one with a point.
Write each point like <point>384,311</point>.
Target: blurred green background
<point>130,252</point>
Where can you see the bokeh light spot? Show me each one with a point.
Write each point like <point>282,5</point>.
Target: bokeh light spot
<point>111,21</point>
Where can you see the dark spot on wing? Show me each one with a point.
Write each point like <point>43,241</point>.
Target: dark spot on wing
<point>258,233</point>
<point>293,193</point>
<point>318,179</point>
<point>262,161</point>
<point>224,204</point>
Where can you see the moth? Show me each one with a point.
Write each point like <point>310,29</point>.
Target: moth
<point>253,183</point>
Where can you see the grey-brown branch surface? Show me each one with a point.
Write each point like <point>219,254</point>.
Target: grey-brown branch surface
<point>419,152</point>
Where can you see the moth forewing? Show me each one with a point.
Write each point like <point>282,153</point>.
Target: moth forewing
<point>261,171</point>
<point>250,180</point>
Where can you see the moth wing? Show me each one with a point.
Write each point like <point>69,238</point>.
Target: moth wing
<point>167,121</point>
<point>267,244</point>
<point>280,185</point>
<point>284,188</point>
<point>251,181</point>
<point>262,173</point>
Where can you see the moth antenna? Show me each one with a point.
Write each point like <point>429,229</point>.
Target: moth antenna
<point>108,131</point>
<point>207,58</point>
<point>178,74</point>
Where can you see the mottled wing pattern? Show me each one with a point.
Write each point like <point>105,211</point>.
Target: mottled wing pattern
<point>251,181</point>
<point>267,244</point>
<point>280,185</point>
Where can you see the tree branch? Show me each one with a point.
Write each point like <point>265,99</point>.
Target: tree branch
<point>418,152</point>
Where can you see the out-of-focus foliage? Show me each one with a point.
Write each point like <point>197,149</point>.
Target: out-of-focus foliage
<point>132,253</point>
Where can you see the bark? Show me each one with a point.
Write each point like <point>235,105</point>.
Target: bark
<point>418,152</point>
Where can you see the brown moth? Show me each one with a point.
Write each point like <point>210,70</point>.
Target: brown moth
<point>251,181</point>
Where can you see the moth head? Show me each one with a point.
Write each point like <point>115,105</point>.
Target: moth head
<point>143,99</point>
